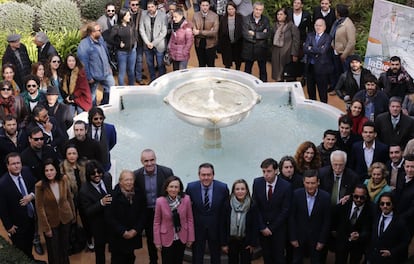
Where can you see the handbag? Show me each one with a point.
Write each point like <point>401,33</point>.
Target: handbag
<point>167,58</point>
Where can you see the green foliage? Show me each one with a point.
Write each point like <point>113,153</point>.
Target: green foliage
<point>93,9</point>
<point>11,255</point>
<point>16,17</point>
<point>57,15</point>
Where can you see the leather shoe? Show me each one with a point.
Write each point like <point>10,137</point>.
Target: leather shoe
<point>38,248</point>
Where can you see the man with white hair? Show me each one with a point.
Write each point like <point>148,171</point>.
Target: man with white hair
<point>337,179</point>
<point>44,48</point>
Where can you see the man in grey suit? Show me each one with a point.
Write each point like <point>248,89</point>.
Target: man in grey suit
<point>153,30</point>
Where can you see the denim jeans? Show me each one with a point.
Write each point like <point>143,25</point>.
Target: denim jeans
<point>180,65</point>
<point>248,65</point>
<point>149,56</point>
<point>138,63</point>
<point>126,63</point>
<point>106,84</point>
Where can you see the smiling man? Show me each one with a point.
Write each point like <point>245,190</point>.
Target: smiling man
<point>150,179</point>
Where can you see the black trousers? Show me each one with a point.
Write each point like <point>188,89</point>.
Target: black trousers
<point>23,240</point>
<point>173,254</point>
<point>58,245</point>
<point>238,254</point>
<point>149,233</point>
<point>122,258</point>
<point>205,56</point>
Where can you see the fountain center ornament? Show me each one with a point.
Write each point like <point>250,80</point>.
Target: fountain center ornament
<point>212,103</point>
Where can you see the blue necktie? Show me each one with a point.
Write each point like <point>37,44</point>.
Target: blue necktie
<point>317,37</point>
<point>30,209</point>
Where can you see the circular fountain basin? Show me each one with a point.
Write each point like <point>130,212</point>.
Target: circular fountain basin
<point>212,102</point>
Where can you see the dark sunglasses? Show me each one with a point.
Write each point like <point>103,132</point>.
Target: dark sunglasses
<point>134,4</point>
<point>39,138</point>
<point>110,11</point>
<point>359,197</point>
<point>97,118</point>
<point>6,89</point>
<point>385,203</point>
<point>56,61</point>
<point>31,85</point>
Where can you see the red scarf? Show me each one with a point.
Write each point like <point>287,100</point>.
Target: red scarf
<point>8,105</point>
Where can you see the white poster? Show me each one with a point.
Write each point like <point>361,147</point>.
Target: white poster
<point>391,34</point>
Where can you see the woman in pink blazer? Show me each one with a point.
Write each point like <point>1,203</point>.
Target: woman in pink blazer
<point>173,222</point>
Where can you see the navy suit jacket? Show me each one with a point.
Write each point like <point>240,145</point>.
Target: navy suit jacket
<point>400,135</point>
<point>357,158</point>
<point>274,213</point>
<point>11,212</point>
<point>313,228</point>
<point>320,53</point>
<point>395,239</point>
<point>207,223</point>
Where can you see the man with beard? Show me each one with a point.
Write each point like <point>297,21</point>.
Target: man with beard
<point>88,149</point>
<point>32,95</point>
<point>396,81</point>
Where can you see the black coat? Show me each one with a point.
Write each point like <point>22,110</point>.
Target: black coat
<point>123,216</point>
<point>7,146</point>
<point>44,54</point>
<point>329,19</point>
<point>21,70</point>
<point>34,162</point>
<point>255,47</point>
<point>305,25</point>
<point>400,135</point>
<point>348,181</point>
<point>227,52</point>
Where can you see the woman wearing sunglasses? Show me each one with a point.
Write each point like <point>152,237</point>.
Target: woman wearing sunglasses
<point>10,104</point>
<point>52,72</point>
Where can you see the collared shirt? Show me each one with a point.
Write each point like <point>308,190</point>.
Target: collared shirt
<point>387,221</point>
<point>368,153</point>
<point>209,192</point>
<point>408,179</point>
<point>16,182</point>
<point>325,13</point>
<point>338,177</point>
<point>151,188</point>
<point>395,120</point>
<point>273,184</point>
<point>394,172</point>
<point>353,208</point>
<point>98,131</point>
<point>310,200</point>
<point>96,185</point>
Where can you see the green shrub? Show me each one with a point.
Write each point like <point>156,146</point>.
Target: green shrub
<point>65,41</point>
<point>57,15</point>
<point>11,255</point>
<point>33,3</point>
<point>16,17</point>
<point>93,9</point>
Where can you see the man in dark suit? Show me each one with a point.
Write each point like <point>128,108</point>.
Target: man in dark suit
<point>95,196</point>
<point>352,225</point>
<point>150,179</point>
<point>366,152</point>
<point>390,237</point>
<point>309,219</point>
<point>318,51</point>
<point>405,194</point>
<point>209,197</point>
<point>325,11</point>
<point>337,179</point>
<point>88,149</point>
<point>103,133</point>
<point>44,48</point>
<point>272,195</point>
<point>16,207</point>
<point>393,127</point>
<point>396,177</point>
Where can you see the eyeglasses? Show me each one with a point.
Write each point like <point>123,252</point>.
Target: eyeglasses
<point>31,85</point>
<point>385,203</point>
<point>56,61</point>
<point>97,118</point>
<point>38,139</point>
<point>6,89</point>
<point>96,172</point>
<point>359,197</point>
<point>134,4</point>
<point>110,11</point>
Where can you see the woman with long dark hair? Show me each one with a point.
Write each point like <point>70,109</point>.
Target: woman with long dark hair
<point>125,42</point>
<point>38,69</point>
<point>52,69</point>
<point>356,112</point>
<point>75,87</point>
<point>55,211</point>
<point>173,222</point>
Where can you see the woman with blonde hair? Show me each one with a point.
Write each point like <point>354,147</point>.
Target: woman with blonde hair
<point>377,183</point>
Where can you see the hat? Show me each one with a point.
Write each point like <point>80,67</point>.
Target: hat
<point>52,91</point>
<point>13,37</point>
<point>42,37</point>
<point>354,57</point>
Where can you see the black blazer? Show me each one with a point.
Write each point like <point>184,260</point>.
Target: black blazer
<point>343,227</point>
<point>32,160</point>
<point>400,176</point>
<point>11,213</point>
<point>329,19</point>
<point>162,174</point>
<point>90,204</point>
<point>348,181</point>
<point>405,203</point>
<point>305,24</point>
<point>403,132</point>
<point>395,238</point>
<point>357,158</point>
<point>313,228</point>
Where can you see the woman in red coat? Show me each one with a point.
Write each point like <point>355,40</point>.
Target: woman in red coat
<point>173,222</point>
<point>75,87</point>
<point>181,40</point>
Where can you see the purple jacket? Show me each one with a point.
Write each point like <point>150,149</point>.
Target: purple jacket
<point>181,41</point>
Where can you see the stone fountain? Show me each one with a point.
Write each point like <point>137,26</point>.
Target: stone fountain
<point>212,103</point>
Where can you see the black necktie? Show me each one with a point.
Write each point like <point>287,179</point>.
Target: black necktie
<point>101,190</point>
<point>354,216</point>
<point>382,225</point>
<point>206,199</point>
<point>30,209</point>
<point>96,136</point>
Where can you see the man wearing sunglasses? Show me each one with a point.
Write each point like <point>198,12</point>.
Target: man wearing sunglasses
<point>109,19</point>
<point>352,225</point>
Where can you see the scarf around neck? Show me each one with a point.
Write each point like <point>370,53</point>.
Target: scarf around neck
<point>238,216</point>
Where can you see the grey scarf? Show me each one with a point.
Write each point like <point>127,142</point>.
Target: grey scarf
<point>238,216</point>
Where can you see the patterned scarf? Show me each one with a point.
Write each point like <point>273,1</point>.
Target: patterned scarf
<point>8,105</point>
<point>174,203</point>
